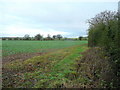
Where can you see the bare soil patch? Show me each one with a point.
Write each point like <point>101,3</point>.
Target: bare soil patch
<point>20,57</point>
<point>24,56</point>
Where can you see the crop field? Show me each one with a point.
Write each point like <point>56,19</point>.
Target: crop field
<point>50,70</point>
<point>18,47</point>
<point>52,64</point>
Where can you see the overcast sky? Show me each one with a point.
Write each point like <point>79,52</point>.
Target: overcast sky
<point>65,17</point>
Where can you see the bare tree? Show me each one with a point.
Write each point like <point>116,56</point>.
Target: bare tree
<point>103,17</point>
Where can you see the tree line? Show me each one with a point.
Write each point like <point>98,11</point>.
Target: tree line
<point>104,32</point>
<point>41,38</point>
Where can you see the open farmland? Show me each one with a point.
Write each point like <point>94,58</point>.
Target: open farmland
<point>53,69</point>
<point>59,45</point>
<point>18,47</point>
<point>53,64</point>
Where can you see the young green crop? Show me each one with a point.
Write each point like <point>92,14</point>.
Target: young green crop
<point>50,70</point>
<point>17,47</point>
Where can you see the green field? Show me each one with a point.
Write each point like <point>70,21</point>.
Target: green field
<point>51,70</point>
<point>65,64</point>
<point>17,47</point>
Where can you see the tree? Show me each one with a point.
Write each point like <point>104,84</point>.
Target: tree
<point>54,36</point>
<point>48,37</point>
<point>38,37</point>
<point>80,37</point>
<point>104,32</point>
<point>65,38</point>
<point>59,36</point>
<point>27,37</point>
<point>102,29</point>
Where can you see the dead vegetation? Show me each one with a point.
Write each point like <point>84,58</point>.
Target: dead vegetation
<point>96,68</point>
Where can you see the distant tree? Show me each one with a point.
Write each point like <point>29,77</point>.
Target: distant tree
<point>9,38</point>
<point>54,36</point>
<point>3,38</point>
<point>38,37</point>
<point>80,37</point>
<point>48,37</point>
<point>59,36</point>
<point>20,38</point>
<point>65,38</point>
<point>27,37</point>
<point>45,39</point>
<point>76,39</point>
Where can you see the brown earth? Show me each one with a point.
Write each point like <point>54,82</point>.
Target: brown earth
<point>20,57</point>
<point>24,56</point>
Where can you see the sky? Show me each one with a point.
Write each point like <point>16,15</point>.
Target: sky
<point>65,17</point>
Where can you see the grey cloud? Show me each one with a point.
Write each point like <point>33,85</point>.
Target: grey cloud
<point>68,17</point>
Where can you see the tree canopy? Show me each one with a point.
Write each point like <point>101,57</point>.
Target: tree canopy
<point>104,31</point>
